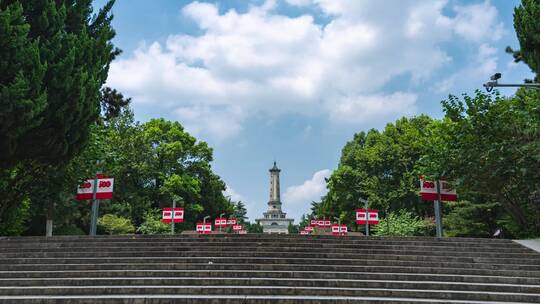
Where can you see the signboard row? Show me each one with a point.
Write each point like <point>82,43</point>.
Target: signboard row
<point>104,189</point>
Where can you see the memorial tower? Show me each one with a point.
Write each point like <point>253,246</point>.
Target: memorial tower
<point>274,220</point>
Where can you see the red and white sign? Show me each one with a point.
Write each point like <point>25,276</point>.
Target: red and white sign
<point>178,215</point>
<point>104,189</point>
<point>231,222</point>
<point>237,227</point>
<point>242,231</point>
<point>204,228</point>
<point>361,216</point>
<point>313,223</point>
<point>428,191</point>
<point>339,229</point>
<point>323,223</point>
<point>304,232</point>
<point>220,222</point>
<point>308,228</point>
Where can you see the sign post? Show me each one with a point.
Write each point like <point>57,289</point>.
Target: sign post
<point>172,216</point>
<point>437,206</point>
<point>365,201</point>
<point>437,191</point>
<point>367,217</point>
<point>95,207</point>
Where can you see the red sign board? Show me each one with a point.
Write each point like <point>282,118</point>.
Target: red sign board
<point>203,228</point>
<point>304,232</point>
<point>361,216</point>
<point>339,229</point>
<point>220,222</point>
<point>428,191</point>
<point>237,227</point>
<point>178,215</point>
<point>231,222</point>
<point>242,231</point>
<point>323,223</point>
<point>104,189</point>
<point>309,228</point>
<point>313,222</point>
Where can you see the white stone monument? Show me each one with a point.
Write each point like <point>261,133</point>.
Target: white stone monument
<point>274,219</point>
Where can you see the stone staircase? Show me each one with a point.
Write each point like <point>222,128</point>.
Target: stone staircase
<point>266,269</point>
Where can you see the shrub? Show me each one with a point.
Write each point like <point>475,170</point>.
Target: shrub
<point>401,223</point>
<point>152,224</point>
<point>113,224</point>
<point>69,230</point>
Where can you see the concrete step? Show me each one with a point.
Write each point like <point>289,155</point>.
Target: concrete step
<point>264,268</point>
<point>298,274</point>
<point>96,241</point>
<point>534,264</point>
<point>152,250</point>
<point>52,268</point>
<point>225,299</point>
<point>13,286</point>
<point>478,264</point>
<point>278,290</point>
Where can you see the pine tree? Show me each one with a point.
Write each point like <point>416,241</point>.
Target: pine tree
<point>527,25</point>
<point>54,58</point>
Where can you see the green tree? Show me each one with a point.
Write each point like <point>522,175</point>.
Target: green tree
<point>468,219</point>
<point>380,167</point>
<point>240,212</point>
<point>400,223</point>
<point>113,224</point>
<point>54,58</point>
<point>152,223</point>
<point>497,142</point>
<point>527,26</point>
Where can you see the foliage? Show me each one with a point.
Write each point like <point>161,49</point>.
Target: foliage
<point>113,224</point>
<point>15,222</point>
<point>240,212</point>
<point>152,224</point>
<point>69,230</point>
<point>401,223</point>
<point>254,228</point>
<point>499,152</point>
<point>54,58</point>
<point>469,219</point>
<point>381,167</point>
<point>293,229</point>
<point>527,26</point>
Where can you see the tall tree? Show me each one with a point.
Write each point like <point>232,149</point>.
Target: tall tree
<point>54,58</point>
<point>527,26</point>
<point>380,167</point>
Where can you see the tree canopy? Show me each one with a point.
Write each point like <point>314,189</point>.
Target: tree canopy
<point>54,58</point>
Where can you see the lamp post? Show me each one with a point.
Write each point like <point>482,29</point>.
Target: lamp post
<point>494,83</point>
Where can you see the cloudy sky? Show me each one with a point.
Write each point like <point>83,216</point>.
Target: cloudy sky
<point>293,80</point>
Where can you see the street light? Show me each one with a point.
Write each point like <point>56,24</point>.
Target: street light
<point>494,83</point>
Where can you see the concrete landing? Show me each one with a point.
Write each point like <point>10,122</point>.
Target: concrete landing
<point>533,244</point>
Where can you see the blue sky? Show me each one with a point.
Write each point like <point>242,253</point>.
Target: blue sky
<point>293,80</point>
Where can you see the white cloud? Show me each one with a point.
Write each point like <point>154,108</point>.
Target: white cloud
<point>480,67</point>
<point>373,108</point>
<point>235,196</point>
<point>478,22</point>
<point>259,62</point>
<point>311,190</point>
